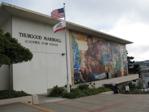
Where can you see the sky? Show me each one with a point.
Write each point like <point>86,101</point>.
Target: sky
<point>127,19</point>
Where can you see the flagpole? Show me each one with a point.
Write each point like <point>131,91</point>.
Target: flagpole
<point>68,86</point>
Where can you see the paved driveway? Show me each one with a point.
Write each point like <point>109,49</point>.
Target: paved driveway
<point>97,103</point>
<point>103,103</point>
<point>18,107</point>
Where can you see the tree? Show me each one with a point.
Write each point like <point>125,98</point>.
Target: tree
<point>132,66</point>
<point>11,51</point>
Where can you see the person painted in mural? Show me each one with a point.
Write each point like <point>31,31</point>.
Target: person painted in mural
<point>94,68</point>
<point>76,58</point>
<point>117,60</point>
<point>106,58</point>
<point>79,62</point>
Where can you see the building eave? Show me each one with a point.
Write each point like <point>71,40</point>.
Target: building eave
<point>35,16</point>
<point>89,31</point>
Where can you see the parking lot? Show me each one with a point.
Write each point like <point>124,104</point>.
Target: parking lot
<point>96,103</point>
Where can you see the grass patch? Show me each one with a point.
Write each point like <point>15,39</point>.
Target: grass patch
<point>80,91</point>
<point>5,94</point>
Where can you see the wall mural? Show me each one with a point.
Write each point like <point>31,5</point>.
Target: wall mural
<point>96,59</point>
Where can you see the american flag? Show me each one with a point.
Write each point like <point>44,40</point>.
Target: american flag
<point>58,13</point>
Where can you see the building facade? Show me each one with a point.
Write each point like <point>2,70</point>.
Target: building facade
<point>90,56</point>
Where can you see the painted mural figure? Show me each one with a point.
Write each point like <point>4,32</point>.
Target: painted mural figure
<point>96,59</point>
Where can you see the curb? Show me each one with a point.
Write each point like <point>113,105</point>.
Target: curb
<point>25,99</point>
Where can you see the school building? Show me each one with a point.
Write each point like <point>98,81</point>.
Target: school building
<point>85,55</point>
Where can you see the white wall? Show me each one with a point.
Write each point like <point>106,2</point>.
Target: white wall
<point>7,25</point>
<point>4,76</point>
<point>48,66</point>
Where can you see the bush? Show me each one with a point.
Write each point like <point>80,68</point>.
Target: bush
<point>140,85</point>
<point>137,91</point>
<point>83,87</point>
<point>76,93</point>
<point>57,91</point>
<point>132,86</point>
<point>80,91</point>
<point>104,89</point>
<point>4,94</point>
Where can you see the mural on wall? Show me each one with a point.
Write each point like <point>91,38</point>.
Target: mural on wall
<point>96,59</point>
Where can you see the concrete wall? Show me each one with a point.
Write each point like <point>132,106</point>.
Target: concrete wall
<point>4,70</point>
<point>4,77</point>
<point>117,80</point>
<point>7,25</point>
<point>48,66</point>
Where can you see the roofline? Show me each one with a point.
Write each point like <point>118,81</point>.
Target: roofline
<point>5,5</point>
<point>102,34</point>
<point>25,13</point>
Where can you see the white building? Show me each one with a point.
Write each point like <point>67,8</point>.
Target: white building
<point>91,55</point>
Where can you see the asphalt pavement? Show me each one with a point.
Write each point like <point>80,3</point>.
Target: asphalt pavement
<point>96,103</point>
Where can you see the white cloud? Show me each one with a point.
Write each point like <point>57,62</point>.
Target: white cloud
<point>137,32</point>
<point>126,19</point>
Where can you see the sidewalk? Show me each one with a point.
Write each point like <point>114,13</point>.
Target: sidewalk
<point>44,99</point>
<point>102,103</point>
<point>95,103</point>
<point>18,107</point>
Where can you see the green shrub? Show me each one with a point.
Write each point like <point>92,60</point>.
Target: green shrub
<point>80,91</point>
<point>57,91</point>
<point>132,86</point>
<point>84,91</point>
<point>137,91</point>
<point>75,93</point>
<point>140,85</point>
<point>82,87</point>
<point>18,93</point>
<point>4,94</point>
<point>90,92</point>
<point>104,89</point>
